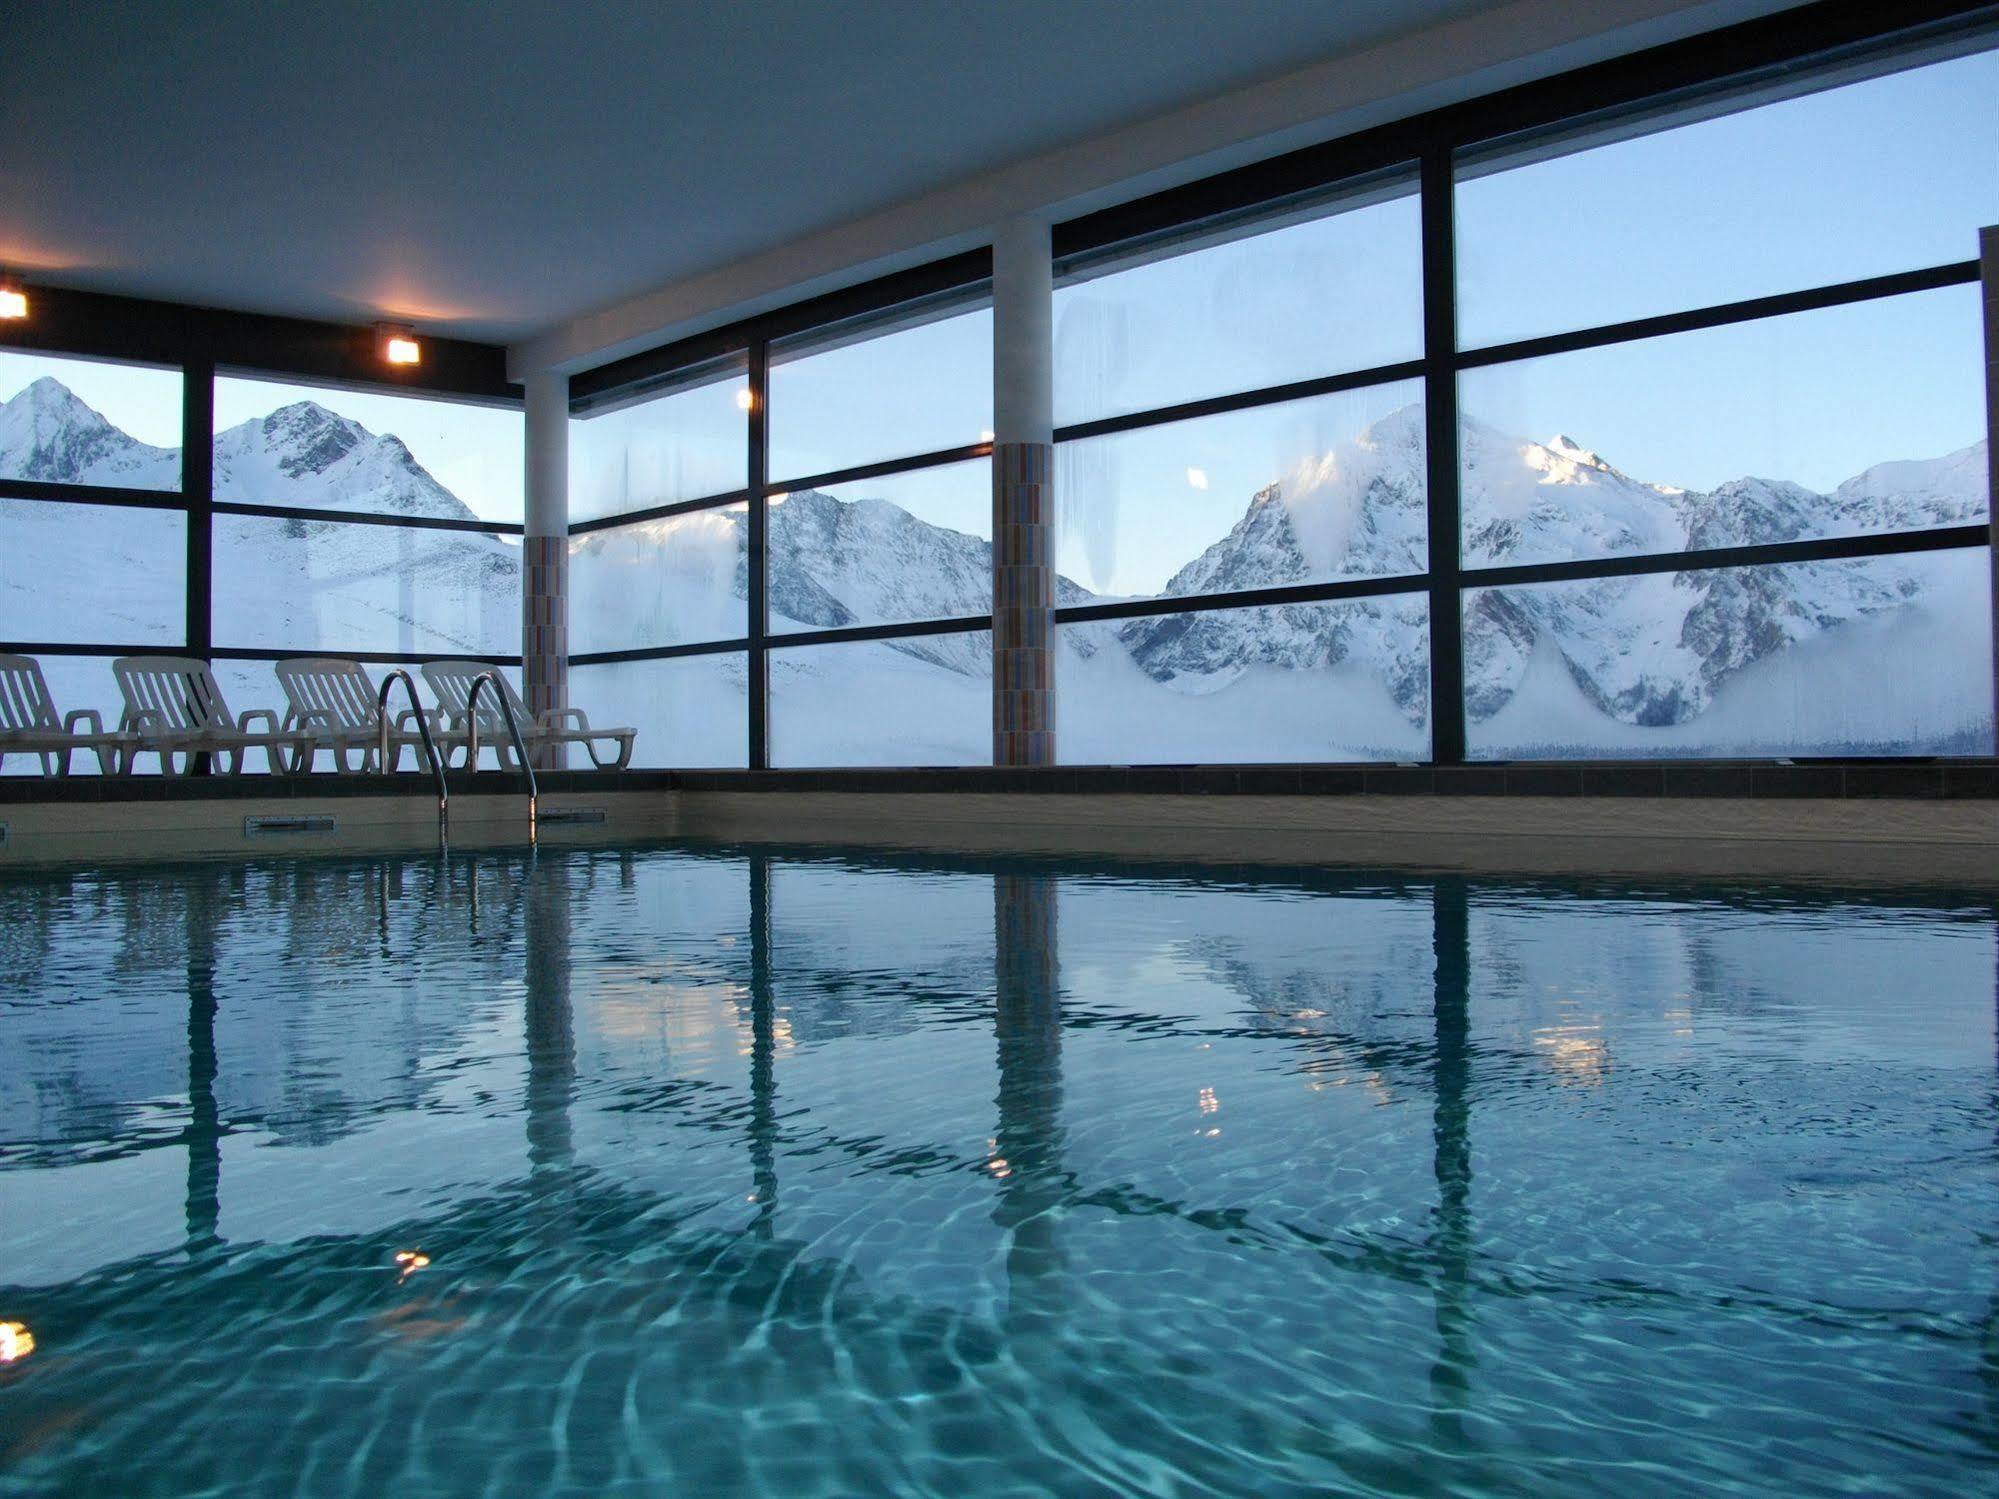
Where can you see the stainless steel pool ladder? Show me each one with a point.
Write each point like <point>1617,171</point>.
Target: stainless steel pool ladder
<point>429,745</point>
<point>513,729</point>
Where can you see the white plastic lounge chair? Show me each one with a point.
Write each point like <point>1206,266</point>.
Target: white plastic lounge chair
<point>29,726</point>
<point>451,684</point>
<point>334,706</point>
<point>174,708</point>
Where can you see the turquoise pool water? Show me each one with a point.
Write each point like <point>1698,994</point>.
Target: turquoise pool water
<point>788,1174</point>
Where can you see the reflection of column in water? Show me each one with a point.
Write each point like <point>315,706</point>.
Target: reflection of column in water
<point>1026,1160</point>
<point>551,1035</point>
<point>1988,1359</point>
<point>763,1052</point>
<point>202,912</point>
<point>1450,1239</point>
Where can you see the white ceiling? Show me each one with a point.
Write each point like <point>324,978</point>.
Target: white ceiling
<point>494,170</point>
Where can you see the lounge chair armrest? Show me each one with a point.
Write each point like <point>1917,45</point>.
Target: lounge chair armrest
<point>407,719</point>
<point>151,721</point>
<point>82,716</point>
<point>313,721</point>
<point>265,714</point>
<point>556,718</point>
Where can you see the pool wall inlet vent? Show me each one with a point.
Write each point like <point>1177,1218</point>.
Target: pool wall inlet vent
<point>254,826</point>
<point>572,814</point>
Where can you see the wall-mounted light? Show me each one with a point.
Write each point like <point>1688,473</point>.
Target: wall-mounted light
<point>13,298</point>
<point>745,397</point>
<point>397,345</point>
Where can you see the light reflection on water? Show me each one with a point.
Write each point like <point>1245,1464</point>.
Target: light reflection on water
<point>780,1173</point>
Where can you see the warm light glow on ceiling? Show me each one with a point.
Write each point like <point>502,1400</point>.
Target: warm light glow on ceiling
<point>16,1342</point>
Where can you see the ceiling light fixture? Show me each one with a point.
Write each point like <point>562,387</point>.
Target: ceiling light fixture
<point>13,298</point>
<point>397,344</point>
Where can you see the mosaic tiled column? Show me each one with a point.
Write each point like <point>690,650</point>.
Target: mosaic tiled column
<point>1023,604</point>
<point>545,557</point>
<point>1023,497</point>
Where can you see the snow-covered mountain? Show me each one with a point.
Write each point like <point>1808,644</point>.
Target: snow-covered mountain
<point>48,435</point>
<point>1549,667</point>
<point>290,584</point>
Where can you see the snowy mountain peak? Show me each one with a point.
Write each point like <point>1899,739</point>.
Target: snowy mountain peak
<point>312,438</point>
<point>48,434</point>
<point>1564,446</point>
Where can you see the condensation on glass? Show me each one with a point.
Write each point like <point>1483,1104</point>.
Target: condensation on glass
<point>1855,420</point>
<point>687,443</point>
<point>920,701</point>
<point>1341,681</point>
<point>334,586</point>
<point>1876,656</point>
<point>360,450</point>
<point>691,712</point>
<point>1303,491</point>
<point>92,573</point>
<point>1319,290</point>
<point>1730,200</point>
<point>923,387</point>
<point>89,421</point>
<point>909,546</point>
<point>676,580</point>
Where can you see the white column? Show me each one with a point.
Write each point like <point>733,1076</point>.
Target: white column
<point>545,553</point>
<point>1023,496</point>
<point>548,455</point>
<point>1023,333</point>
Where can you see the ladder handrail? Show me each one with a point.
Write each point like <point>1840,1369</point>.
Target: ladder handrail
<point>429,745</point>
<point>513,728</point>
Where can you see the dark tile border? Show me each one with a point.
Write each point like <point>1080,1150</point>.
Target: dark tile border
<point>1960,780</point>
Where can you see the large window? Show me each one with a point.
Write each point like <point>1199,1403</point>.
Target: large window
<point>341,521</point>
<point>1299,480</point>
<point>899,552</point>
<point>354,522</point>
<point>1656,430</point>
<point>1667,525</point>
<point>659,565</point>
<point>93,526</point>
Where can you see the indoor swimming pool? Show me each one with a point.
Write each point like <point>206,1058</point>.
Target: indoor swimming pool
<point>693,1170</point>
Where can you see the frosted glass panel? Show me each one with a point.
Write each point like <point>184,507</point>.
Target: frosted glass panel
<point>309,586</point>
<point>1305,491</point>
<point>673,581</point>
<point>691,711</point>
<point>1881,656</point>
<point>926,701</point>
<point>316,447</point>
<point>1849,421</point>
<point>685,445</point>
<point>920,389</point>
<point>1281,683</point>
<point>89,573</point>
<point>1341,291</point>
<point>1890,174</point>
<point>883,551</point>
<point>87,421</point>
